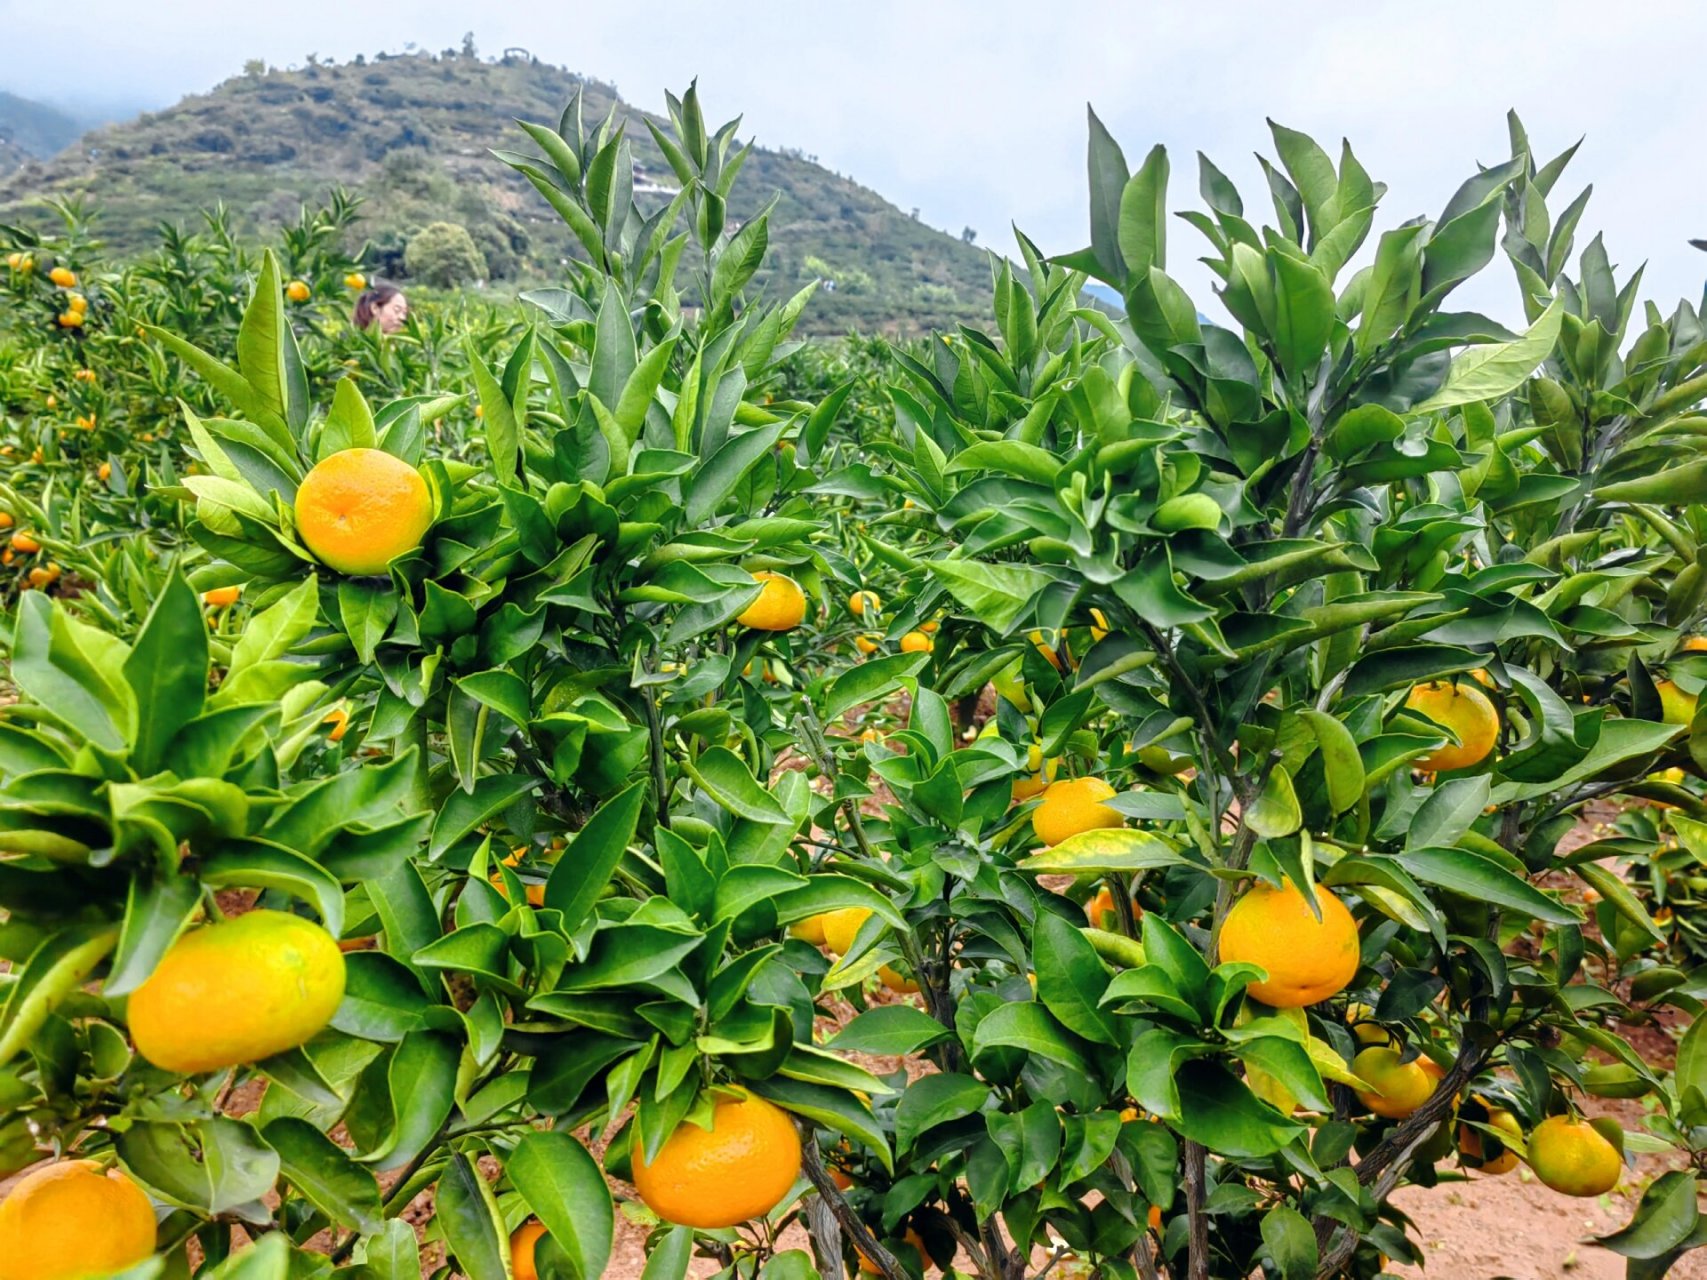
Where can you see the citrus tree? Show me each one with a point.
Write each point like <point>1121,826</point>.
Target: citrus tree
<point>529,784</point>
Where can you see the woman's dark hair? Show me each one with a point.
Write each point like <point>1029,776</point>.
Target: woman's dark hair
<point>368,305</point>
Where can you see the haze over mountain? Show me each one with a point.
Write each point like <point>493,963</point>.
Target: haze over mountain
<point>411,135</point>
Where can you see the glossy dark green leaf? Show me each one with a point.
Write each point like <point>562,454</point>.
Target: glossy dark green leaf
<point>585,868</point>
<point>467,1213</point>
<point>324,1175</point>
<point>566,1190</point>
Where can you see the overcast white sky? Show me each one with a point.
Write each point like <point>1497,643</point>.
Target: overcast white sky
<point>973,110</point>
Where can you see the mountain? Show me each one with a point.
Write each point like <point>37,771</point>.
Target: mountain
<point>33,128</point>
<point>411,134</point>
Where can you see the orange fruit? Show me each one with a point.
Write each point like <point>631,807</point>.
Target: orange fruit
<point>297,291</point>
<point>1397,1088</point>
<point>339,719</point>
<point>535,893</point>
<point>868,644</point>
<point>359,509</point>
<point>78,303</point>
<point>43,576</point>
<point>237,992</point>
<point>1101,911</point>
<point>860,601</point>
<point>1074,805</point>
<point>917,642</point>
<point>780,605</point>
<point>896,981</point>
<point>738,1170</point>
<point>1676,706</point>
<point>1042,774</point>
<point>222,597</point>
<point>1307,959</point>
<point>523,1241</point>
<point>25,542</point>
<point>1045,645</point>
<point>1154,1218</point>
<point>842,927</point>
<point>5,519</point>
<point>84,375</point>
<point>71,319</point>
<point>1466,713</point>
<point>810,930</point>
<point>69,1221</point>
<point>1470,1142</point>
<point>64,277</point>
<point>1099,632</point>
<point>20,261</point>
<point>355,280</point>
<point>1574,1157</point>
<point>1694,644</point>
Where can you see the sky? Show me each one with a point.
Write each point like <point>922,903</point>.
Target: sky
<point>974,110</point>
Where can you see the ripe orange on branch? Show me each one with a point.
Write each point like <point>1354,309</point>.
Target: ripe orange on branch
<point>69,1220</point>
<point>1397,1088</point>
<point>1463,711</point>
<point>780,606</point>
<point>1307,959</point>
<point>237,992</point>
<point>1074,805</point>
<point>1573,1157</point>
<point>738,1170</point>
<point>359,509</point>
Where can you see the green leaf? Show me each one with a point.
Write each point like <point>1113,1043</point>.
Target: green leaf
<point>1029,1026</point>
<point>261,339</point>
<point>268,1259</point>
<point>1276,812</point>
<point>586,867</point>
<point>155,912</point>
<point>889,1029</point>
<point>566,1190</point>
<point>422,1081</point>
<point>936,1099</point>
<point>1667,1216</point>
<point>1303,313</point>
<point>1450,810</point>
<point>1290,1242</point>
<point>65,667</point>
<point>467,1213</point>
<point>212,1165</point>
<point>717,477</point>
<point>324,1175</point>
<point>167,670</point>
<point>395,1254</point>
<point>870,682</point>
<point>1099,852</point>
<point>258,864</point>
<point>56,969</point>
<point>1494,370</point>
<point>832,1108</point>
<point>498,417</point>
<point>1483,879</point>
<point>1674,486</point>
<point>1218,1110</point>
<point>1342,765</point>
<point>1011,457</point>
<point>1142,231</point>
<point>997,594</point>
<point>1071,980</point>
<point>724,777</point>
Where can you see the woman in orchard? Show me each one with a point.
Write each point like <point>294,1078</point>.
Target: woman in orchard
<point>383,305</point>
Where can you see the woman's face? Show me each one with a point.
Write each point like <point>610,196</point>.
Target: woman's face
<point>392,314</point>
